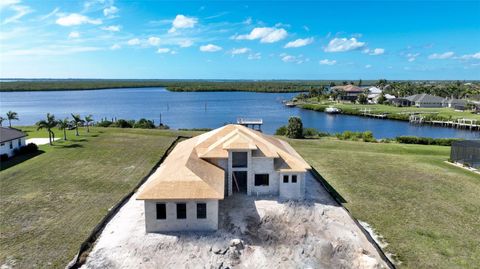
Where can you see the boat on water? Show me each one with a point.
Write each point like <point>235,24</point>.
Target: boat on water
<point>290,104</point>
<point>332,110</point>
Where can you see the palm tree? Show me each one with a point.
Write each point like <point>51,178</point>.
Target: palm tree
<point>88,119</point>
<point>77,120</point>
<point>63,125</point>
<point>48,124</point>
<point>11,115</point>
<point>1,120</point>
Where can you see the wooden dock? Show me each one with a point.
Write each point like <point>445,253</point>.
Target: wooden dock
<point>255,124</point>
<point>470,124</point>
<point>368,113</point>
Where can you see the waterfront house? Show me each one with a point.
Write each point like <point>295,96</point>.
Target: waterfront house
<point>457,104</point>
<point>466,152</point>
<point>183,194</point>
<point>11,139</point>
<point>348,92</point>
<point>401,102</point>
<point>425,100</point>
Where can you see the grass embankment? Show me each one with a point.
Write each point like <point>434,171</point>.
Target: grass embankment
<point>172,85</point>
<point>427,210</point>
<point>393,112</point>
<point>50,203</point>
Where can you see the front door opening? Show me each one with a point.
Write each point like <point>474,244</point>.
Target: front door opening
<point>239,179</point>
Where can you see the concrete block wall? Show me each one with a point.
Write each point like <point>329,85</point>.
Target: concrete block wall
<point>172,224</point>
<point>263,165</point>
<point>5,148</point>
<point>292,191</point>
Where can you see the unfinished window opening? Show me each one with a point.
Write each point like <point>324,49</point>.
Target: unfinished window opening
<point>161,211</point>
<point>239,159</point>
<point>181,211</point>
<point>285,179</point>
<point>294,178</point>
<point>261,180</point>
<point>201,210</point>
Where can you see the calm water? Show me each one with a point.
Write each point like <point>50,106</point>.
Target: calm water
<point>200,109</point>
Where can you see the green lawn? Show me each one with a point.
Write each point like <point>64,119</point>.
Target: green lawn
<point>376,108</point>
<point>427,210</point>
<point>50,203</point>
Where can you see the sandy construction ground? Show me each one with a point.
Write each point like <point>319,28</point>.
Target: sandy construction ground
<point>254,233</point>
<point>38,141</point>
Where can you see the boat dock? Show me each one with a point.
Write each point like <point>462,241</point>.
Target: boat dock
<point>255,124</point>
<point>368,113</point>
<point>470,124</point>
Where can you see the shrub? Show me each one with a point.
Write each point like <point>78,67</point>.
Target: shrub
<point>295,128</point>
<point>368,136</point>
<point>310,132</point>
<point>121,123</point>
<point>144,124</point>
<point>104,123</point>
<point>281,131</point>
<point>30,148</point>
<point>425,140</point>
<point>163,126</point>
<point>3,157</point>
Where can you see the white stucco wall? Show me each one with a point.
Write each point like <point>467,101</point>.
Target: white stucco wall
<point>5,147</point>
<point>172,224</point>
<point>291,190</point>
<point>263,165</point>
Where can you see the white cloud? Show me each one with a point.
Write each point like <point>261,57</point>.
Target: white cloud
<point>255,56</point>
<point>112,28</point>
<point>115,47</point>
<point>49,51</point>
<point>53,12</point>
<point>110,11</point>
<point>133,42</point>
<point>368,66</point>
<point>470,56</point>
<point>377,51</point>
<point>343,44</point>
<point>239,51</point>
<point>412,56</point>
<point>210,48</point>
<point>163,50</point>
<point>248,21</point>
<point>327,62</point>
<point>74,34</point>
<point>265,34</point>
<point>299,43</point>
<point>185,43</point>
<point>7,3</point>
<point>76,19</point>
<point>154,41</point>
<point>441,56</point>
<point>293,59</point>
<point>181,22</point>
<point>19,10</point>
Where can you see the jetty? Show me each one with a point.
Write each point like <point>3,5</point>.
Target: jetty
<point>470,124</point>
<point>255,124</point>
<point>368,113</point>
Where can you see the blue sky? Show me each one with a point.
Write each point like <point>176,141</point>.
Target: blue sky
<point>240,40</point>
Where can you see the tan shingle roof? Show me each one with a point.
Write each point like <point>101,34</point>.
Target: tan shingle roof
<point>186,174</point>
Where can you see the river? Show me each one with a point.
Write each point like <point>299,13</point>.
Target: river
<point>200,110</point>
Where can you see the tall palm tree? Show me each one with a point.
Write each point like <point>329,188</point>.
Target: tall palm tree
<point>63,125</point>
<point>48,124</point>
<point>77,120</point>
<point>1,120</point>
<point>88,119</point>
<point>11,115</point>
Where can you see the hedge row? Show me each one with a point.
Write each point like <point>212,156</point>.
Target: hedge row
<point>425,140</point>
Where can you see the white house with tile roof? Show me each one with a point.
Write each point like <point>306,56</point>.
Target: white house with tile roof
<point>183,194</point>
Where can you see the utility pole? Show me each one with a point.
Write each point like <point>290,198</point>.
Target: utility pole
<point>160,123</point>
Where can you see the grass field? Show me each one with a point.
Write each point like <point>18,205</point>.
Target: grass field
<point>380,109</point>
<point>51,202</point>
<point>427,210</point>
